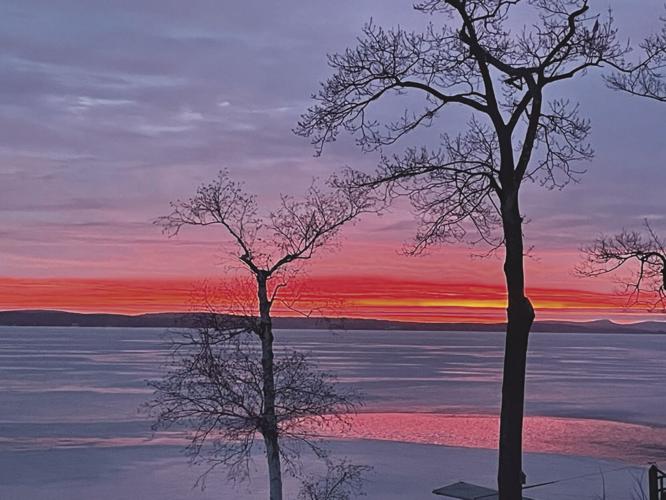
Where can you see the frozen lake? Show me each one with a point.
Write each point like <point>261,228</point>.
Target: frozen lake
<point>70,425</point>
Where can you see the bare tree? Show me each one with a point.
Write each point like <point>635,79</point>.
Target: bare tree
<point>215,388</point>
<point>642,253</point>
<point>646,77</point>
<point>225,389</point>
<point>468,187</point>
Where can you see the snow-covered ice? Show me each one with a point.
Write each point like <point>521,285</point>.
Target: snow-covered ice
<point>70,426</point>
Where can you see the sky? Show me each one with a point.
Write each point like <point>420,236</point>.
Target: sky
<point>110,110</point>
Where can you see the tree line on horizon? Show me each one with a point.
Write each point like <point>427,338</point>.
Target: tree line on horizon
<point>228,382</point>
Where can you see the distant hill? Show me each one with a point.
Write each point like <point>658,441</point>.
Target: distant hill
<point>183,320</point>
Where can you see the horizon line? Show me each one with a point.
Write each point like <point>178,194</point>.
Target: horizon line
<point>322,318</point>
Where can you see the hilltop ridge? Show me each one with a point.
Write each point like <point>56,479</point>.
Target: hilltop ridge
<point>184,320</point>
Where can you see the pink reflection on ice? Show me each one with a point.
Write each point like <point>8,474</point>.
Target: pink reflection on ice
<point>584,437</point>
<point>636,444</point>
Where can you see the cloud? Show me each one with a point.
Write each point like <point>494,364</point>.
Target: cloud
<point>111,110</point>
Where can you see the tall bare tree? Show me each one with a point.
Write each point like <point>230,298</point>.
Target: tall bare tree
<point>219,384</point>
<point>501,73</point>
<point>642,254</point>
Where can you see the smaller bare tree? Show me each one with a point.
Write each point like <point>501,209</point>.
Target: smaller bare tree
<point>646,77</point>
<point>226,381</point>
<point>643,253</point>
<point>214,388</point>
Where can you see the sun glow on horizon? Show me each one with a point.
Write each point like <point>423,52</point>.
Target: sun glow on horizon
<point>352,297</point>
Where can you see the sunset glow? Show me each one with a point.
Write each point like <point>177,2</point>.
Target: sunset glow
<point>354,297</point>
<point>106,131</point>
<point>386,249</point>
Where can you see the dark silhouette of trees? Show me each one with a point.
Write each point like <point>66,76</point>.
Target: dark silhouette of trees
<point>643,254</point>
<point>468,187</point>
<point>226,381</point>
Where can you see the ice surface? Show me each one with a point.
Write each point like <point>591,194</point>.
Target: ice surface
<point>70,425</point>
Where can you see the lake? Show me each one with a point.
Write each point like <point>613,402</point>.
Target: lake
<point>70,399</point>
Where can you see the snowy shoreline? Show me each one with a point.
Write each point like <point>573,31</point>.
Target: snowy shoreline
<point>402,471</point>
<point>411,454</point>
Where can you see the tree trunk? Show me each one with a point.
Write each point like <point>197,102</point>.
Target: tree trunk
<point>274,470</point>
<point>269,421</point>
<point>520,316</point>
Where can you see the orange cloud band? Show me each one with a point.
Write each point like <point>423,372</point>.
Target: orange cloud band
<point>360,297</point>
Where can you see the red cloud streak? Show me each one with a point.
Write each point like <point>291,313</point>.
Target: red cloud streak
<point>359,297</point>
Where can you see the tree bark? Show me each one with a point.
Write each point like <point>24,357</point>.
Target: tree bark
<point>520,316</point>
<point>269,420</point>
<point>274,470</point>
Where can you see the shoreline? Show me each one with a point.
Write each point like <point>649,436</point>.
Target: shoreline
<point>401,471</point>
